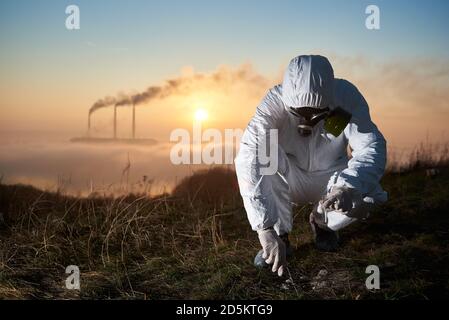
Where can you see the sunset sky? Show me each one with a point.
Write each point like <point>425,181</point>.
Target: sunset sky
<point>51,76</point>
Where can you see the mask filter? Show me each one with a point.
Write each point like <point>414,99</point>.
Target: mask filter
<point>336,121</point>
<point>304,130</point>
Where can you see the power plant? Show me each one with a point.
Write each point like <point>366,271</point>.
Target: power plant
<point>115,123</point>
<point>115,139</point>
<point>184,85</point>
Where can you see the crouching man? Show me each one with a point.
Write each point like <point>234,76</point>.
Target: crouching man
<point>316,117</point>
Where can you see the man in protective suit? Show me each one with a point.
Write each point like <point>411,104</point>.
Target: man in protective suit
<point>315,117</point>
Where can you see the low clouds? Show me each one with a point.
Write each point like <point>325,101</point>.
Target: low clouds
<point>77,168</point>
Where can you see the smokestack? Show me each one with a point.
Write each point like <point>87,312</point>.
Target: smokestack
<point>134,120</point>
<point>115,121</point>
<point>88,125</point>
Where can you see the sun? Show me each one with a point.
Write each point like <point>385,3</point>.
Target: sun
<point>201,114</point>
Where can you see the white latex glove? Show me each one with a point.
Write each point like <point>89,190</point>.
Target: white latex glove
<point>340,198</point>
<point>274,251</point>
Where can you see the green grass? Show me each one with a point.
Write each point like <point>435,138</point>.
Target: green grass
<point>191,246</point>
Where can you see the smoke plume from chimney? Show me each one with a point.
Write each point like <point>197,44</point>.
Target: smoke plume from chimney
<point>222,79</point>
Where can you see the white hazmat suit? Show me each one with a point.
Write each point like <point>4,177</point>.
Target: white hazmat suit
<point>309,167</point>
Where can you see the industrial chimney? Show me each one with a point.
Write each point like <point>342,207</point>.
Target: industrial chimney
<point>88,125</point>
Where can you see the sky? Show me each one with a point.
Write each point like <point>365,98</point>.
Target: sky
<point>50,76</point>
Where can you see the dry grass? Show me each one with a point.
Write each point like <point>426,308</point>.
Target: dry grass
<point>425,156</point>
<point>197,245</point>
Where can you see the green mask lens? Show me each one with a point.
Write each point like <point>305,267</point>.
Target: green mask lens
<point>336,121</point>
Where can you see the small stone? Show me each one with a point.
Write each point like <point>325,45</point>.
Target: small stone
<point>320,285</point>
<point>322,273</point>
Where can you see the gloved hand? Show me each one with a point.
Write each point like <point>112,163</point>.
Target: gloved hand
<point>340,198</point>
<point>274,251</point>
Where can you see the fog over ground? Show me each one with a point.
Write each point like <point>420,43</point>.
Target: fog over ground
<point>79,169</point>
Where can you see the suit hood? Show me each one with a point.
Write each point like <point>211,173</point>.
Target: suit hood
<point>308,82</point>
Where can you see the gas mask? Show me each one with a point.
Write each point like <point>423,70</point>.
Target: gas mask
<point>335,121</point>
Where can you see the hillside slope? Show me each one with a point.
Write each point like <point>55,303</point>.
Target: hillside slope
<point>188,245</point>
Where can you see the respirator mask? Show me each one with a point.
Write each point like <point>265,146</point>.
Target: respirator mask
<point>335,121</point>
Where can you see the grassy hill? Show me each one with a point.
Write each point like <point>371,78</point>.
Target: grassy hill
<point>197,244</point>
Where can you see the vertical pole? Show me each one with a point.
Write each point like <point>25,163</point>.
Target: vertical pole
<point>134,121</point>
<point>115,121</point>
